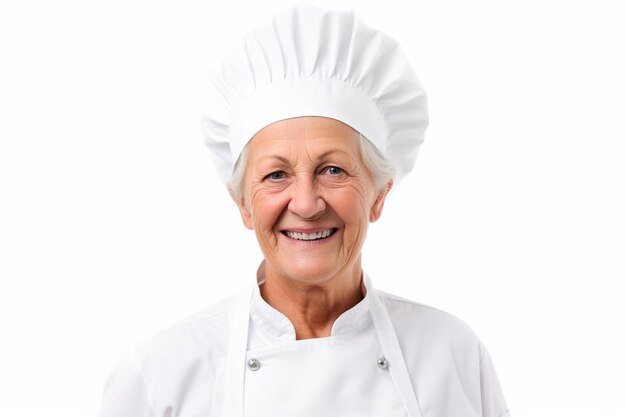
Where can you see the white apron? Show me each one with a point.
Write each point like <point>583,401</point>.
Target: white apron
<point>362,373</point>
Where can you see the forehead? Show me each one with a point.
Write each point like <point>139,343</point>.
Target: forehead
<point>308,133</point>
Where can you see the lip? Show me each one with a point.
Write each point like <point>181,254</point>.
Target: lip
<point>308,230</point>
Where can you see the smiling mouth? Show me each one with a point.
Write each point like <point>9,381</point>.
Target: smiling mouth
<point>309,236</point>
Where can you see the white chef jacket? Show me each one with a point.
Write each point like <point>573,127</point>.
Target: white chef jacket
<point>440,368</point>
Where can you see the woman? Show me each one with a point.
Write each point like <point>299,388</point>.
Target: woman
<point>322,115</point>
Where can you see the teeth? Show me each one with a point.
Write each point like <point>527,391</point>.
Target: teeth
<point>309,236</point>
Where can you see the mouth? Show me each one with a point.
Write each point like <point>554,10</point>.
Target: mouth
<point>322,234</point>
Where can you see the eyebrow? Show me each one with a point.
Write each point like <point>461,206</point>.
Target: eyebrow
<point>278,157</point>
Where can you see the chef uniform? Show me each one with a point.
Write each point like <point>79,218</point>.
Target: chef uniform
<point>385,356</point>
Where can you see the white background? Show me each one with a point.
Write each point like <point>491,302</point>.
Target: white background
<point>113,223</point>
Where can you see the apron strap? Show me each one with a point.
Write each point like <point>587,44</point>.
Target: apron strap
<point>391,349</point>
<point>235,361</point>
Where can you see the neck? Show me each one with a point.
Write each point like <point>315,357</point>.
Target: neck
<point>312,308</point>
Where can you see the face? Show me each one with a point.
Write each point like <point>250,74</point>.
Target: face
<point>309,198</point>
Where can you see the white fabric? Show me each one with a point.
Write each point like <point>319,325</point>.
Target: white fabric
<point>313,372</point>
<point>308,378</point>
<point>236,357</point>
<point>313,62</point>
<point>180,372</point>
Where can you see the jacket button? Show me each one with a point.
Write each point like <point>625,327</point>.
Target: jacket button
<point>382,363</point>
<point>254,364</point>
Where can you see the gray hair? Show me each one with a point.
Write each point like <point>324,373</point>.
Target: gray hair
<point>381,169</point>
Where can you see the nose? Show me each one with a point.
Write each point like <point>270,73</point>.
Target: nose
<point>306,201</point>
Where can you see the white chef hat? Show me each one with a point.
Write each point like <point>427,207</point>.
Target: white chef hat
<point>309,61</point>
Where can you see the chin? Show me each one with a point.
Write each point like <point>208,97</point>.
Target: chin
<point>310,272</point>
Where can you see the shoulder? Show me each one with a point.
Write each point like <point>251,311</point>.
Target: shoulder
<point>201,334</point>
<point>444,355</point>
<point>188,354</point>
<point>421,315</point>
<point>430,328</point>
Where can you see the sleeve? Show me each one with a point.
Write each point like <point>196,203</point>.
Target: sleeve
<point>493,404</point>
<point>125,392</point>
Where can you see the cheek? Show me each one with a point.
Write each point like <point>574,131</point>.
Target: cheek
<point>353,205</point>
<point>265,208</point>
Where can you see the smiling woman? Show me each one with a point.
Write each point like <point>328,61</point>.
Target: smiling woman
<point>312,336</point>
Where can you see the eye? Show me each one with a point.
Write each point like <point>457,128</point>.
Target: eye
<point>333,171</point>
<point>276,176</point>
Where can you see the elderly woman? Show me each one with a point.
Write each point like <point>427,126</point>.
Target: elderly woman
<point>310,122</point>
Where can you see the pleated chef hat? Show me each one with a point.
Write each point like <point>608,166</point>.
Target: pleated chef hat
<point>309,61</point>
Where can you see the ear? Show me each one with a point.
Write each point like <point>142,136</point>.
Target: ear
<point>244,211</point>
<point>377,208</point>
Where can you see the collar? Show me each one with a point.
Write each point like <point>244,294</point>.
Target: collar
<point>277,324</point>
